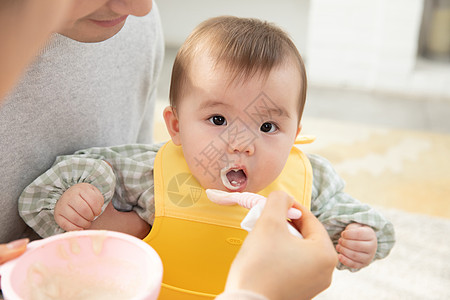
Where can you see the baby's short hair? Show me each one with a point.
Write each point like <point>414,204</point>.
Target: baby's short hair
<point>245,46</point>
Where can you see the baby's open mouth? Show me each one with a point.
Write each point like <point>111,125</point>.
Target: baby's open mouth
<point>233,179</point>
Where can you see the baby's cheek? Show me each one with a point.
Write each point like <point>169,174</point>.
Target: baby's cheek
<point>267,174</point>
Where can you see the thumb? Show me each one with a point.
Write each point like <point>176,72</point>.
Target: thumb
<point>276,207</point>
<point>309,226</point>
<point>12,250</point>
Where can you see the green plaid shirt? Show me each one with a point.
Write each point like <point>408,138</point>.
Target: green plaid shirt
<point>127,181</point>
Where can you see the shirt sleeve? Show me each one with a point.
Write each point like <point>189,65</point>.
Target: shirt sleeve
<point>123,174</point>
<point>335,209</point>
<point>133,169</point>
<point>37,202</point>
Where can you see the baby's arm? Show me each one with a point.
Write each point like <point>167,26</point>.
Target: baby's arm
<point>128,222</point>
<point>132,207</point>
<point>357,246</point>
<point>337,210</point>
<point>39,201</point>
<point>78,207</point>
<point>123,172</point>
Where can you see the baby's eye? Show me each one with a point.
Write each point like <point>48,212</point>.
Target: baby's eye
<point>268,127</point>
<point>218,120</point>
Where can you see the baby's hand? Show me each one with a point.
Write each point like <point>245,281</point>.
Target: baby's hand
<point>78,207</point>
<point>357,246</point>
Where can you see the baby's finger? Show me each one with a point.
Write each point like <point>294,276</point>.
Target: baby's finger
<point>349,263</point>
<point>353,259</point>
<point>360,246</point>
<point>69,219</point>
<point>65,224</point>
<point>93,198</point>
<point>80,204</point>
<point>360,233</point>
<point>354,226</point>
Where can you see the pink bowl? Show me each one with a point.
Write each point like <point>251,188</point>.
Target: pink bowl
<point>111,263</point>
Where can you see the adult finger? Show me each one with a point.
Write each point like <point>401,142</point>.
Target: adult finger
<point>308,225</point>
<point>275,210</point>
<point>12,249</point>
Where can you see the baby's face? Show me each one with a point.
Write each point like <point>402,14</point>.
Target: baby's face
<point>237,137</point>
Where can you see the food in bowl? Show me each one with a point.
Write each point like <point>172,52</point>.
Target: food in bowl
<point>87,264</point>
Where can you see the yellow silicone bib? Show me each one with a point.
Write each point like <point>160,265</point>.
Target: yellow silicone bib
<point>197,239</point>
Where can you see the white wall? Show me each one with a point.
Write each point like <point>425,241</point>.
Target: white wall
<point>179,17</point>
<point>372,45</point>
<point>361,44</point>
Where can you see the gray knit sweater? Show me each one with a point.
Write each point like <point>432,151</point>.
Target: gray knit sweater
<point>74,96</point>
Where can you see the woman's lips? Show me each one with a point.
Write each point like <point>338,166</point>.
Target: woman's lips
<point>110,23</point>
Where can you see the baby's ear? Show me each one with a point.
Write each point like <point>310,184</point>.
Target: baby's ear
<point>170,117</point>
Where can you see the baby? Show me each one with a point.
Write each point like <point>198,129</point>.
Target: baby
<point>237,94</point>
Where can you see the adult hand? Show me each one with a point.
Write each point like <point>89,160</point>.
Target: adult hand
<point>12,250</point>
<point>274,263</point>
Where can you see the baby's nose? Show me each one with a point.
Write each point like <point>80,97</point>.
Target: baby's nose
<point>246,147</point>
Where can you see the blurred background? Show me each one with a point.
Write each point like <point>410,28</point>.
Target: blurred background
<point>379,104</point>
<point>398,48</point>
